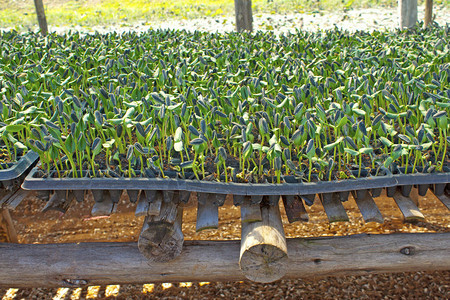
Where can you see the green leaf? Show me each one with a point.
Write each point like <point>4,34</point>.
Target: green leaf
<point>351,151</point>
<point>15,128</point>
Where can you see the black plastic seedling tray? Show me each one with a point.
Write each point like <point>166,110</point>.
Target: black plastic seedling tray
<point>18,168</point>
<point>35,182</point>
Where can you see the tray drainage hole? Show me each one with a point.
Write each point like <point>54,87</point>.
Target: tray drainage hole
<point>317,261</point>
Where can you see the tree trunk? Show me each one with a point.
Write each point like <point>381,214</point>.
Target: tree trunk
<point>244,17</point>
<point>428,12</point>
<point>42,20</point>
<point>407,13</point>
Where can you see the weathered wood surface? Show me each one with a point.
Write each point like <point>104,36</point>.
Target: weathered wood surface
<point>407,10</point>
<point>58,265</point>
<point>42,20</point>
<point>244,16</point>
<point>333,207</point>
<point>428,13</point>
<point>445,199</point>
<point>408,208</point>
<point>263,255</point>
<point>369,210</point>
<point>161,238</point>
<point>7,224</point>
<point>294,208</point>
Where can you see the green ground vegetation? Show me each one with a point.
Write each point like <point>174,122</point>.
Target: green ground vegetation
<point>20,13</point>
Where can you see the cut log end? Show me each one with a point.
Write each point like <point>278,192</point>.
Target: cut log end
<point>263,255</point>
<point>264,263</point>
<point>160,242</point>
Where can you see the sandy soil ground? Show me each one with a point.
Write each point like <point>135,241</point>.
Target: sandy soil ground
<point>77,226</point>
<point>383,18</point>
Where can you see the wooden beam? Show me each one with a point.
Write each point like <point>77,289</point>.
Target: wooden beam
<point>263,255</point>
<point>42,20</point>
<point>71,265</point>
<point>244,17</point>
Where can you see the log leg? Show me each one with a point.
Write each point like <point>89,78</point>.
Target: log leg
<point>263,255</point>
<point>161,238</point>
<point>7,224</point>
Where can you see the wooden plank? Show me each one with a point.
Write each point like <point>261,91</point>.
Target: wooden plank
<point>295,210</point>
<point>333,207</point>
<point>408,208</point>
<point>82,264</point>
<point>445,199</point>
<point>207,212</point>
<point>263,255</point>
<point>7,223</point>
<point>369,210</point>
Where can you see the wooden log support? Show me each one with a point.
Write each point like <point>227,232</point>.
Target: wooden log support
<point>428,13</point>
<point>445,199</point>
<point>263,256</point>
<point>333,207</point>
<point>295,210</point>
<point>244,16</point>
<point>207,212</point>
<point>408,208</point>
<point>42,20</point>
<point>105,207</point>
<point>161,238</point>
<point>83,264</point>
<point>7,224</point>
<point>59,201</point>
<point>407,10</point>
<point>369,210</point>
